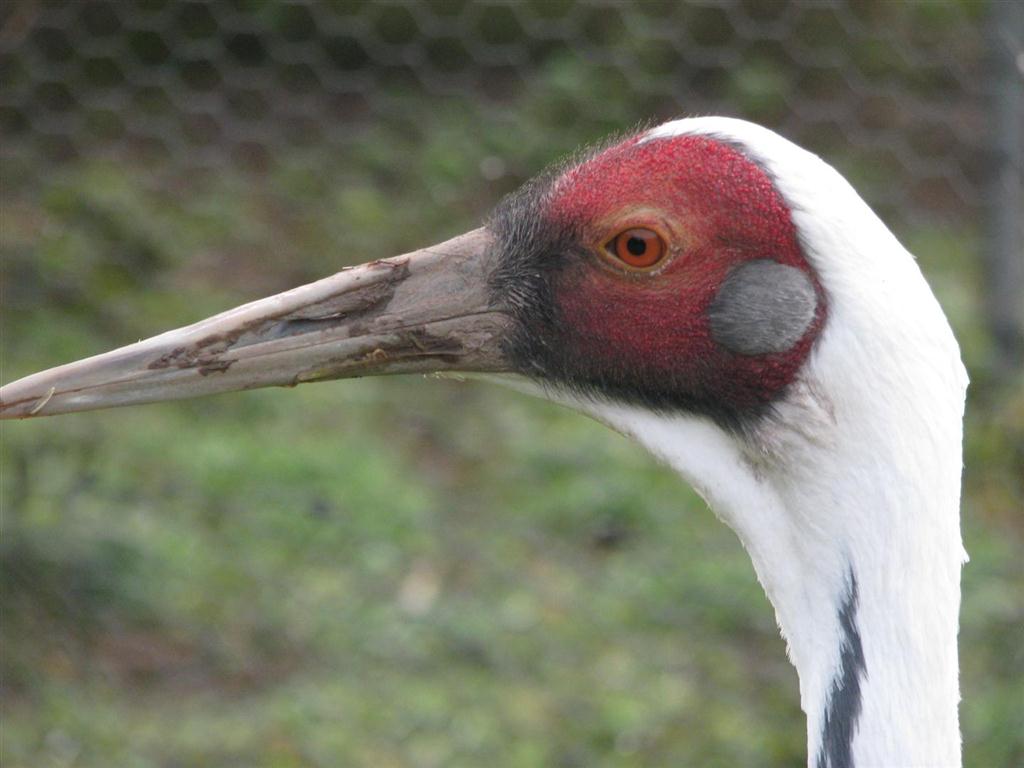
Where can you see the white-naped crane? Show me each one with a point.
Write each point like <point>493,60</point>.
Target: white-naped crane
<point>727,300</point>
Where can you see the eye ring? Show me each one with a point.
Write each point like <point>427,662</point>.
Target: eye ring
<point>637,247</point>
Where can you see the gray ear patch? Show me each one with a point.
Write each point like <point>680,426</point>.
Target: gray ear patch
<point>762,307</point>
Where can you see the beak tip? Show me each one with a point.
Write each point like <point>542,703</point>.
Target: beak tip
<point>22,402</point>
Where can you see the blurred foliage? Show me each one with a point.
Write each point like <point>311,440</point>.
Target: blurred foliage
<point>400,572</point>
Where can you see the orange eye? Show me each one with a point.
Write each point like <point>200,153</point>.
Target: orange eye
<point>638,247</point>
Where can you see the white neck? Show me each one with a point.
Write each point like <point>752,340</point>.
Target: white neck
<point>849,510</point>
<point>882,665</point>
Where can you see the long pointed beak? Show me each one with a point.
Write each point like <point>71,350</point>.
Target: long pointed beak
<point>426,311</point>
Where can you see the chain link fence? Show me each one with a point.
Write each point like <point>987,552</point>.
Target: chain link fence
<point>917,102</point>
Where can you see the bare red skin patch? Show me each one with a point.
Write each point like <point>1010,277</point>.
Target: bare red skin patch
<point>722,211</point>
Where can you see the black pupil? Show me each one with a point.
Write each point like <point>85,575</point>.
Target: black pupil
<point>636,246</point>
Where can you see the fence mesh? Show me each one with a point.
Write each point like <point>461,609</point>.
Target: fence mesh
<point>896,94</point>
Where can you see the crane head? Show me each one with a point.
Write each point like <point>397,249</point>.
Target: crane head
<point>662,271</point>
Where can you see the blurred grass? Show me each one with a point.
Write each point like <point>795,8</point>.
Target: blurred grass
<point>413,572</point>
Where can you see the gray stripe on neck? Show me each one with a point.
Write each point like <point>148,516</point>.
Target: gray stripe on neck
<point>844,704</point>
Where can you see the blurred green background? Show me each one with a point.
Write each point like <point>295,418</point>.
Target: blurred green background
<point>425,572</point>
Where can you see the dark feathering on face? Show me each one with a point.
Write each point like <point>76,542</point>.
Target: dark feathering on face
<point>643,336</point>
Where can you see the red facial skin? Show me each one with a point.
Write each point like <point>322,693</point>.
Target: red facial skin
<point>716,209</point>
